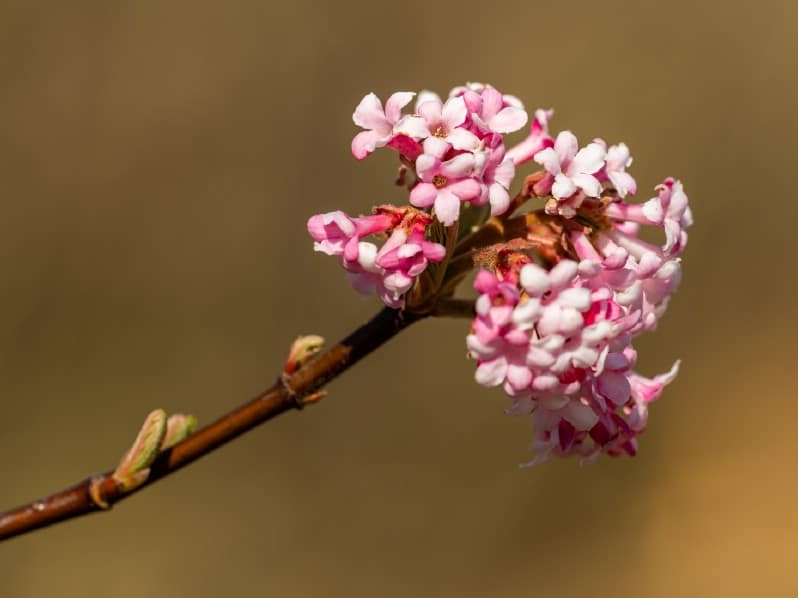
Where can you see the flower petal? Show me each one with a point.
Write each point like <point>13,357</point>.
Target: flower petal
<point>430,111</point>
<point>563,273</point>
<point>508,120</point>
<point>587,183</point>
<point>492,102</point>
<point>491,373</point>
<point>563,187</point>
<point>590,159</point>
<point>369,113</point>
<point>504,173</point>
<point>426,167</point>
<point>425,95</point>
<point>423,195</point>
<point>615,387</point>
<point>652,210</point>
<point>462,139</point>
<point>447,207</point>
<point>365,143</point>
<point>549,159</point>
<point>458,167</point>
<point>412,126</point>
<point>454,112</point>
<point>566,146</point>
<point>623,182</point>
<point>394,105</point>
<point>465,189</point>
<point>499,199</point>
<point>535,280</point>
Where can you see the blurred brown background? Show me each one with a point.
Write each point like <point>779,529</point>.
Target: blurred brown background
<point>158,162</point>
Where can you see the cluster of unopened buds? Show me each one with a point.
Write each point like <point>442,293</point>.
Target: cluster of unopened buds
<point>564,281</point>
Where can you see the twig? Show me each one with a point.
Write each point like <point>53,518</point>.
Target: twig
<point>291,392</point>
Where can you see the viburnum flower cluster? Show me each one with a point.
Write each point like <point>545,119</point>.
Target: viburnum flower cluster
<point>563,287</point>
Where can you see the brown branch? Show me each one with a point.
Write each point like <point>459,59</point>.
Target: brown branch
<point>101,492</point>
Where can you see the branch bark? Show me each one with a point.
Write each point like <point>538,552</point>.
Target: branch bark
<point>99,493</point>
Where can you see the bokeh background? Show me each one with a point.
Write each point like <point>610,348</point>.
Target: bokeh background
<point>158,161</point>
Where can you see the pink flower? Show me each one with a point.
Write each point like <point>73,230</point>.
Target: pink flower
<point>498,345</point>
<point>478,88</point>
<point>570,325</point>
<point>637,273</point>
<point>496,172</point>
<point>406,254</point>
<point>573,169</point>
<point>379,123</point>
<point>492,113</point>
<point>607,417</point>
<point>559,305</point>
<point>441,121</point>
<point>617,432</point>
<point>669,210</point>
<point>494,307</point>
<point>444,185</point>
<point>368,278</point>
<point>618,160</point>
<point>390,271</point>
<point>641,275</point>
<point>333,232</point>
<point>560,349</point>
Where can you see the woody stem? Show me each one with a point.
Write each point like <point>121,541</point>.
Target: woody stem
<point>101,492</point>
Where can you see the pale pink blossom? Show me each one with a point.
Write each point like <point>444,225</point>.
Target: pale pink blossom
<point>570,325</point>
<point>442,121</point>
<point>617,161</point>
<point>494,307</point>
<point>559,307</point>
<point>572,169</point>
<point>332,232</point>
<point>445,185</point>
<point>492,113</point>
<point>638,274</point>
<point>378,122</point>
<point>607,417</point>
<point>670,210</point>
<point>405,255</point>
<point>389,271</point>
<point>335,233</point>
<point>560,349</point>
<point>497,344</point>
<point>368,278</point>
<point>478,88</point>
<point>496,173</point>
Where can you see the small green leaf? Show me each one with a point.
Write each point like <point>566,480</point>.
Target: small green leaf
<point>133,469</point>
<point>302,351</point>
<point>178,428</point>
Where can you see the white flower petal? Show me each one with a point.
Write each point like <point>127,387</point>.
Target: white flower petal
<point>454,112</point>
<point>535,279</point>
<point>412,126</point>
<point>589,159</point>
<point>369,114</point>
<point>563,187</point>
<point>491,373</point>
<point>566,146</point>
<point>587,183</point>
<point>395,103</point>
